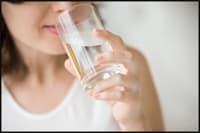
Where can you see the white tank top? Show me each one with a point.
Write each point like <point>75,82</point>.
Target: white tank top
<point>77,112</point>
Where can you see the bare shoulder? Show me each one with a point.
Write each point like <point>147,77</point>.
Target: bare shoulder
<point>149,95</point>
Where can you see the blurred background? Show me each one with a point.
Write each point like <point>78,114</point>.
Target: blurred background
<point>167,34</point>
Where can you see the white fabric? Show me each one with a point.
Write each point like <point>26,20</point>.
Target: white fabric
<point>77,112</point>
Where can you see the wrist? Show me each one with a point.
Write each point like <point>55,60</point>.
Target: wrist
<point>133,125</point>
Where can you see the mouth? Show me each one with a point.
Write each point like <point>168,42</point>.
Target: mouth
<point>52,29</point>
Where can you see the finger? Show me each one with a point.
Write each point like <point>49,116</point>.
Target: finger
<point>115,80</point>
<point>115,56</point>
<point>111,102</point>
<point>115,41</point>
<point>114,94</point>
<point>130,84</point>
<point>124,59</point>
<point>69,67</point>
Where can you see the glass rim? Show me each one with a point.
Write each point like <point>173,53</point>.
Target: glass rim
<point>91,6</point>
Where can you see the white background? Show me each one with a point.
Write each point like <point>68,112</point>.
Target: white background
<point>167,33</point>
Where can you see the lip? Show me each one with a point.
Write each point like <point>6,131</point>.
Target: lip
<point>52,29</point>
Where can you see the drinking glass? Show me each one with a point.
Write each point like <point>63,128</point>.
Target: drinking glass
<point>75,27</point>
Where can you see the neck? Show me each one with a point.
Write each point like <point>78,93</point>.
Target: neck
<point>42,68</point>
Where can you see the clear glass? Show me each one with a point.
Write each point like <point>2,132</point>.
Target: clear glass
<point>75,28</point>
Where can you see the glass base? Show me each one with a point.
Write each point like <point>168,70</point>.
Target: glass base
<point>101,72</point>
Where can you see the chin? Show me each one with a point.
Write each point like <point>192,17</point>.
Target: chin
<point>53,50</point>
<point>57,53</point>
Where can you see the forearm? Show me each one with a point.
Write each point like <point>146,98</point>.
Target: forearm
<point>137,125</point>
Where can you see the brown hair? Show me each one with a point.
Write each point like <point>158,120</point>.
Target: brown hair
<point>11,61</point>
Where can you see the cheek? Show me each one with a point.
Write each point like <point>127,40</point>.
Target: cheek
<point>30,32</point>
<point>49,43</point>
<point>40,39</point>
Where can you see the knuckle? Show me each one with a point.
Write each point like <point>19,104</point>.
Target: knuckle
<point>118,78</point>
<point>107,33</point>
<point>110,55</point>
<point>118,38</point>
<point>136,70</point>
<point>118,95</point>
<point>125,65</point>
<point>128,54</point>
<point>115,54</point>
<point>107,55</point>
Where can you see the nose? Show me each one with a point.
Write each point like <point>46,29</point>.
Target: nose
<point>61,6</point>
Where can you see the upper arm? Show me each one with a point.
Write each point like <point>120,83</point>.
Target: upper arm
<point>150,100</point>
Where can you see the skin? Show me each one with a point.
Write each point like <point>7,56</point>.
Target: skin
<point>128,93</point>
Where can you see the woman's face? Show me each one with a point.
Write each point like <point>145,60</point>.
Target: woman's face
<point>33,24</point>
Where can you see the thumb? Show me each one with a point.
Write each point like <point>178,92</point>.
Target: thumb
<point>69,67</point>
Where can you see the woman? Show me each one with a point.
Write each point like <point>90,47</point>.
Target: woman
<point>40,93</point>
